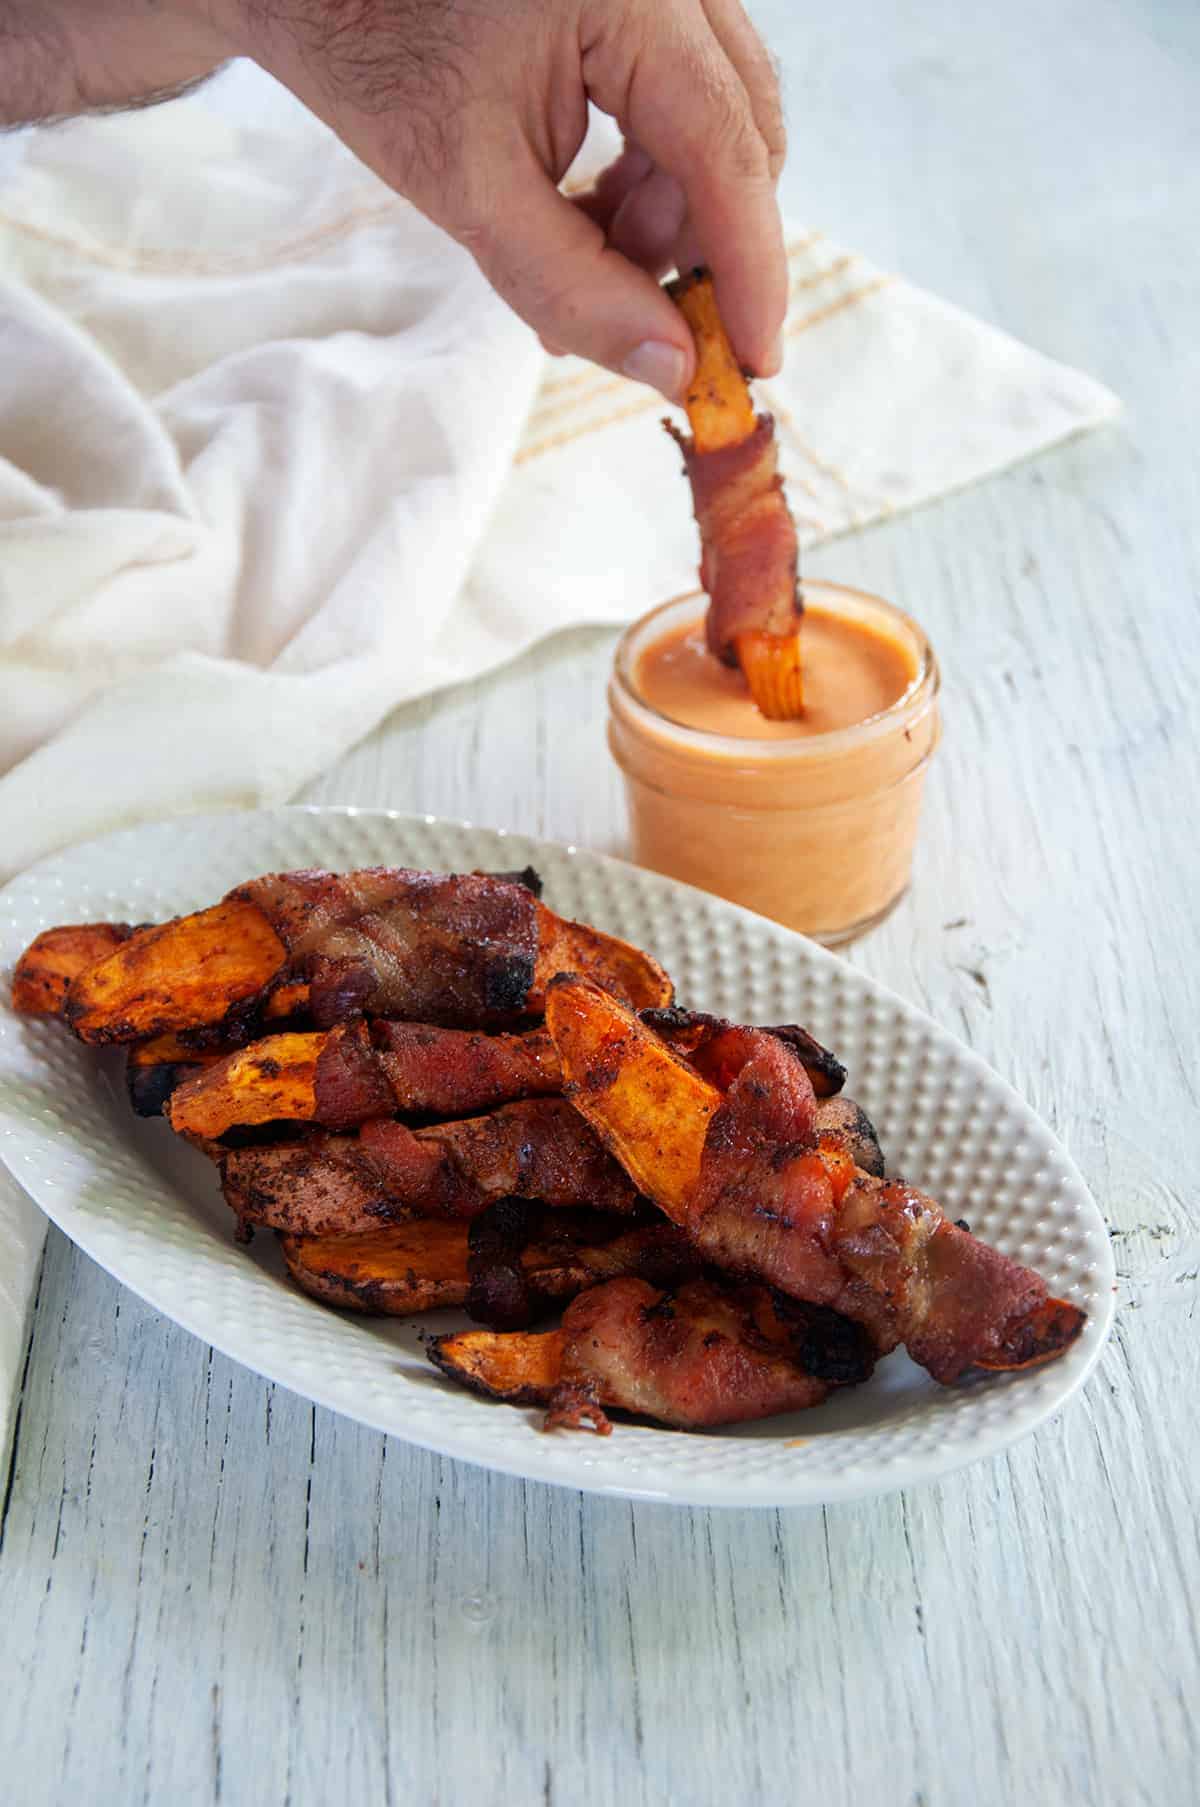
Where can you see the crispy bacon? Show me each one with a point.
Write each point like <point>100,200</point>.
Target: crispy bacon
<point>395,942</point>
<point>468,949</point>
<point>704,1355</point>
<point>443,1072</point>
<point>748,547</point>
<point>914,1277</point>
<point>521,1255</point>
<point>349,1084</point>
<point>697,1037</point>
<point>328,1185</point>
<point>743,1171</point>
<point>843,1124</point>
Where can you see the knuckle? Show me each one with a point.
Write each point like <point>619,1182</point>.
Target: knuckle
<point>776,138</point>
<point>737,144</point>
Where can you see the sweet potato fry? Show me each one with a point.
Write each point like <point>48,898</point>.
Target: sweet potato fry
<point>521,1366</point>
<point>286,1001</point>
<point>656,1108</point>
<point>154,1069</point>
<point>271,1081</point>
<point>774,670</point>
<point>719,409</point>
<point>412,1267</point>
<point>177,975</point>
<point>623,970</point>
<point>49,965</point>
<point>744,523</point>
<point>701,1354</point>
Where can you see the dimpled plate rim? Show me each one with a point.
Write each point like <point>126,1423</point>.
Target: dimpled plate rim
<point>946,1120</point>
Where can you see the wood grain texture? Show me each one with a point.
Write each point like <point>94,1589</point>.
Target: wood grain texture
<point>211,1592</point>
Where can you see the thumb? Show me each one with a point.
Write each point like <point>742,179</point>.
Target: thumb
<point>551,263</point>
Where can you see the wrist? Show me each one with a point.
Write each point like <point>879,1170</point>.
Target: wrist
<point>80,56</point>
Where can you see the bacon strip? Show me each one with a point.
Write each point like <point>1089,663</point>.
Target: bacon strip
<point>697,1037</point>
<point>744,1172</point>
<point>749,553</point>
<point>443,1072</point>
<point>704,1355</point>
<point>326,1185</point>
<point>404,943</point>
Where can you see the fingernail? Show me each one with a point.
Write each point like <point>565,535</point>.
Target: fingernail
<point>659,364</point>
<point>774,363</point>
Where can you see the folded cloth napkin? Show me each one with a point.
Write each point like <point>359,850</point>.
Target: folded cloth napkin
<point>273,460</point>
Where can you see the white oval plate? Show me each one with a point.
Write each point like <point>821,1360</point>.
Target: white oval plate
<point>147,1208</point>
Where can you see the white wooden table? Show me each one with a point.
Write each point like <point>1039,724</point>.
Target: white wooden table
<point>212,1592</point>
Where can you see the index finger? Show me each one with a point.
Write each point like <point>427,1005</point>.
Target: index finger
<point>689,109</point>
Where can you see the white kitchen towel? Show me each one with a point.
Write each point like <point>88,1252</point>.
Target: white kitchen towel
<point>274,460</point>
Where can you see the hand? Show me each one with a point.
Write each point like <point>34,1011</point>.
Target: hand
<point>474,110</point>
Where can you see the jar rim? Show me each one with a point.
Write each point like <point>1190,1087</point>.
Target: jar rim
<point>919,693</point>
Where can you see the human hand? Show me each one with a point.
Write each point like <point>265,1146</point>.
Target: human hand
<point>475,109</point>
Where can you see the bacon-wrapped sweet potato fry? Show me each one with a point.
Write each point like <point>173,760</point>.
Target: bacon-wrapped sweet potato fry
<point>466,949</point>
<point>329,1185</point>
<point>344,1076</point>
<point>429,1264</point>
<point>709,1353</point>
<point>347,1075</point>
<point>743,1171</point>
<point>749,550</point>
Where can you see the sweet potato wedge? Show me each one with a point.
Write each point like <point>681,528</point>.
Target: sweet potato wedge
<point>574,947</point>
<point>286,1001</point>
<point>521,1366</point>
<point>657,1108</point>
<point>178,975</point>
<point>719,409</point>
<point>50,964</point>
<point>154,1069</point>
<point>409,1268</point>
<point>272,1080</point>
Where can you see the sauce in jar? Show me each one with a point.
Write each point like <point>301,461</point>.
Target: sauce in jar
<point>812,822</point>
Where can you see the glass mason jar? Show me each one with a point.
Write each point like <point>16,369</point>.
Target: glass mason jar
<point>816,831</point>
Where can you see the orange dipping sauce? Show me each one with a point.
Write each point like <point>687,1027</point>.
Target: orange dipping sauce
<point>851,672</point>
<point>812,822</point>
